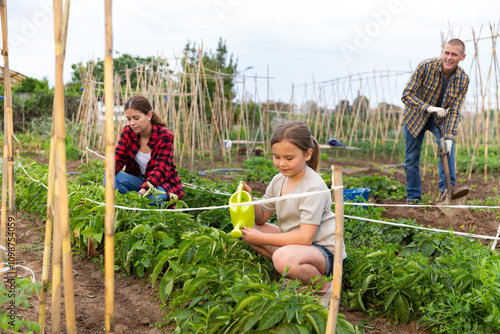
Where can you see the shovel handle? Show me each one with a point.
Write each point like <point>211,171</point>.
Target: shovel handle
<point>439,123</point>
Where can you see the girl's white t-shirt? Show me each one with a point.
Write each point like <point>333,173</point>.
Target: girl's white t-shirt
<point>142,160</point>
<point>313,209</point>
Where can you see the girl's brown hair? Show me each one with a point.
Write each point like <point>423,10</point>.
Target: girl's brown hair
<point>298,134</point>
<point>142,104</point>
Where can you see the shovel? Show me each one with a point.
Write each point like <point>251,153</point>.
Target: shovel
<point>449,212</point>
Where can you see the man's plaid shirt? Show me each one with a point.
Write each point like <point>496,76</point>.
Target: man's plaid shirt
<point>422,91</point>
<point>160,170</point>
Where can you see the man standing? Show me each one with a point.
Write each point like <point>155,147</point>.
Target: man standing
<point>437,88</point>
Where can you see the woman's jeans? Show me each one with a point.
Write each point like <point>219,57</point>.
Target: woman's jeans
<point>125,182</point>
<point>412,162</point>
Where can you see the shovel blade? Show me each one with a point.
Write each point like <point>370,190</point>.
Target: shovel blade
<point>454,212</point>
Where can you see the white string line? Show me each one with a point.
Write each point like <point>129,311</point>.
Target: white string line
<point>424,205</point>
<point>214,191</point>
<point>345,203</point>
<point>19,165</point>
<point>88,149</point>
<point>357,203</point>
<point>494,245</point>
<point>8,268</point>
<point>276,199</point>
<point>270,200</point>
<point>423,228</point>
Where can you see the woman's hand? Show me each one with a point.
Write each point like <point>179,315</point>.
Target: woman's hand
<point>142,191</point>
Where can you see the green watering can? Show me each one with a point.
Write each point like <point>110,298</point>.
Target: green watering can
<point>241,215</point>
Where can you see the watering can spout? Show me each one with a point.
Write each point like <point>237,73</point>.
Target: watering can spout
<point>241,215</point>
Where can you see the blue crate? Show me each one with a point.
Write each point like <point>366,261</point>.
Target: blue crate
<point>351,195</point>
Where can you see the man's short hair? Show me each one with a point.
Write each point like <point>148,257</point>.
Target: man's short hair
<point>457,42</point>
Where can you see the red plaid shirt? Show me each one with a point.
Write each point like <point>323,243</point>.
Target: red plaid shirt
<point>160,170</point>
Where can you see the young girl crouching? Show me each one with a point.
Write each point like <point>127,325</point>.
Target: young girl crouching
<point>303,241</point>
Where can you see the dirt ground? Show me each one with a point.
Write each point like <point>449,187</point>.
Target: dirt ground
<point>137,308</point>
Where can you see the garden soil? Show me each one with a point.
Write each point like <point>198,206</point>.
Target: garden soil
<point>137,308</point>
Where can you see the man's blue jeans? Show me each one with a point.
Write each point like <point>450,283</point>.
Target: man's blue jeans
<point>412,162</point>
<point>125,182</point>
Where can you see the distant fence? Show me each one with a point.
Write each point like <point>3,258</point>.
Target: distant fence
<point>363,106</point>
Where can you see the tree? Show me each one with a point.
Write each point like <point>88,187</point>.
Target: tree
<point>32,85</point>
<point>120,66</point>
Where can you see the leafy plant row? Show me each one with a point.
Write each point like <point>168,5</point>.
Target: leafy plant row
<point>447,283</point>
<point>25,289</point>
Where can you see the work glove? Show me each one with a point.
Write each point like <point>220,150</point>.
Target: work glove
<point>447,146</point>
<point>440,112</point>
<point>153,191</point>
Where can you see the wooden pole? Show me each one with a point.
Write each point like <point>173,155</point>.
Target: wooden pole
<point>110,173</point>
<point>8,216</point>
<point>267,130</point>
<point>61,189</point>
<point>8,212</point>
<point>339,250</point>
<point>50,201</point>
<point>48,232</point>
<point>56,275</point>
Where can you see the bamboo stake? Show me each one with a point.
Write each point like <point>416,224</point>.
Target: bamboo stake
<point>8,107</point>
<point>8,194</point>
<point>8,213</point>
<point>216,127</point>
<point>56,272</point>
<point>50,199</point>
<point>48,231</point>
<point>356,118</point>
<point>339,250</point>
<point>110,172</point>
<point>199,106</point>
<point>61,190</point>
<point>322,113</point>
<point>495,60</point>
<point>194,108</point>
<point>266,115</point>
<point>478,70</point>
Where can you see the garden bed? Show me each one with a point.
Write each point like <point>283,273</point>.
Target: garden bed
<point>137,308</point>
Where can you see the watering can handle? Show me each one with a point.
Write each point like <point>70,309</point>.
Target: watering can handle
<point>239,191</point>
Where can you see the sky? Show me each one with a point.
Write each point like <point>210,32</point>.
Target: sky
<point>291,41</point>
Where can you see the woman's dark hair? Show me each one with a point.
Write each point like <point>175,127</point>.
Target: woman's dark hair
<point>142,104</point>
<point>298,134</point>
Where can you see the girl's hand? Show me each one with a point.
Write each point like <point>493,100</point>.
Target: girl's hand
<point>250,235</point>
<point>247,188</point>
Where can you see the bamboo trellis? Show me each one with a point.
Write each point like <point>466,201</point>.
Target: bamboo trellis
<point>358,107</point>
